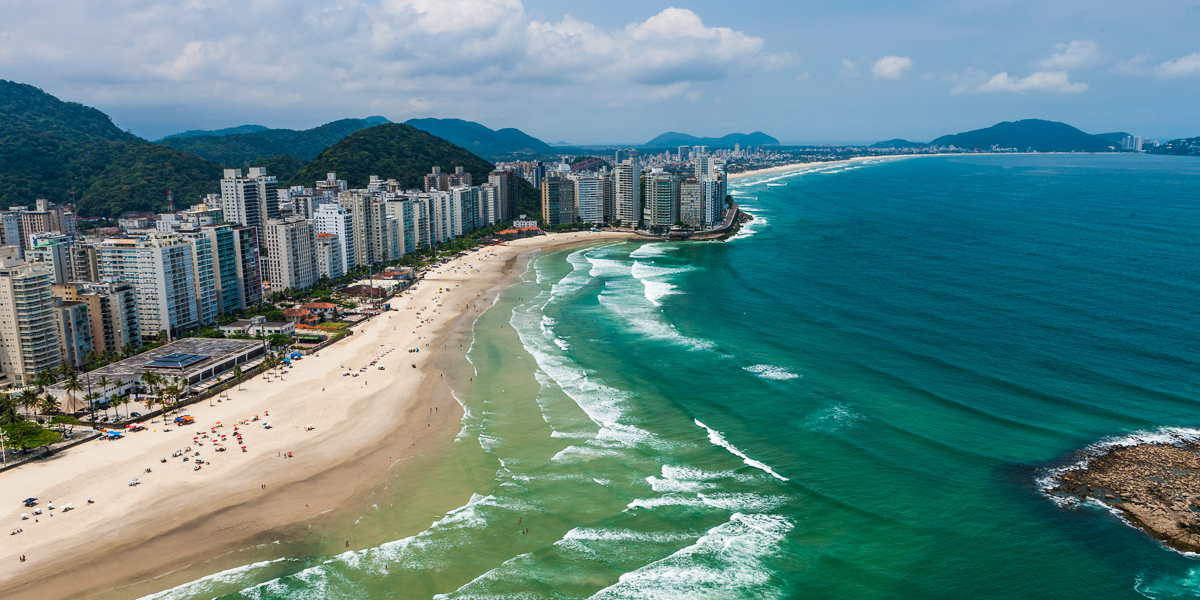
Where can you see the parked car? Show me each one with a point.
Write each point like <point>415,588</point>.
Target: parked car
<point>135,415</point>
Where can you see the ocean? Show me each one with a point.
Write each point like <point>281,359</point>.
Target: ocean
<point>859,395</point>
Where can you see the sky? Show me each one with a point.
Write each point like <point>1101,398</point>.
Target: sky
<point>619,71</point>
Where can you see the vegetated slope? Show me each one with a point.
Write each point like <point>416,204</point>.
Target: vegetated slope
<point>1181,147</point>
<point>245,148</point>
<point>391,151</point>
<point>217,132</point>
<point>896,143</point>
<point>501,143</point>
<point>1035,134</point>
<point>673,138</point>
<point>49,148</point>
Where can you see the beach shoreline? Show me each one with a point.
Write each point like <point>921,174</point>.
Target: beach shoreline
<point>130,542</point>
<point>815,165</point>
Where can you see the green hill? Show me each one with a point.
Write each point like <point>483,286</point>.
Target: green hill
<point>1182,147</point>
<point>1035,134</point>
<point>391,151</point>
<point>672,139</point>
<point>50,148</point>
<point>896,143</point>
<point>245,148</point>
<point>502,143</point>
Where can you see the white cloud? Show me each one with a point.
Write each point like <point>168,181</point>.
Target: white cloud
<point>891,67</point>
<point>1184,66</point>
<point>850,69</point>
<point>1077,54</point>
<point>1043,81</point>
<point>412,55</point>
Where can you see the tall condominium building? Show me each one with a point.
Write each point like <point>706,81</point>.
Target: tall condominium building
<point>608,195</point>
<point>84,265</point>
<point>161,268</point>
<point>112,311</point>
<point>53,249</point>
<point>704,167</point>
<point>403,210</point>
<point>691,203</point>
<point>218,241</point>
<point>628,198</point>
<point>489,205</point>
<point>249,200</point>
<point>291,254</point>
<point>684,152</point>
<point>74,332</point>
<point>465,210</point>
<point>10,229</point>
<point>337,221</point>
<point>662,200</point>
<point>558,201</point>
<point>48,217</point>
<point>714,201</point>
<point>437,181</point>
<point>507,187</point>
<point>331,186</point>
<point>589,198</point>
<point>329,256</point>
<point>28,323</point>
<point>249,267</point>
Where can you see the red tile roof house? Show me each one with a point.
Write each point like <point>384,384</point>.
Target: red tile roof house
<point>325,309</point>
<point>301,316</point>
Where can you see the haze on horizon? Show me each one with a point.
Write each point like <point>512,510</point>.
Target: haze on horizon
<point>620,71</point>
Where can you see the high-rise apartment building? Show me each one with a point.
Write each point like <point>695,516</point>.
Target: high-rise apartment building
<point>628,198</point>
<point>74,332</point>
<point>691,203</point>
<point>251,200</point>
<point>558,201</point>
<point>112,312</point>
<point>54,249</point>
<point>291,254</point>
<point>84,265</point>
<point>589,198</point>
<point>206,273</point>
<point>608,195</point>
<point>437,181</point>
<point>662,200</point>
<point>329,256</point>
<point>489,205</point>
<point>507,188</point>
<point>249,267</point>
<point>161,268</point>
<point>337,221</point>
<point>465,211</point>
<point>48,217</point>
<point>29,342</point>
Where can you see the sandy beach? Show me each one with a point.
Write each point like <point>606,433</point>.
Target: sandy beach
<point>812,165</point>
<point>177,515</point>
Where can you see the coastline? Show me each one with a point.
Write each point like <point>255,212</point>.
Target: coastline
<point>815,165</point>
<point>366,427</point>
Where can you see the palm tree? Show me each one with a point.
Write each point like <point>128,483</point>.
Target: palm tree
<point>128,350</point>
<point>91,398</point>
<point>237,374</point>
<point>8,410</point>
<point>91,357</point>
<point>29,399</point>
<point>50,405</point>
<point>148,400</point>
<point>158,397</point>
<point>72,386</point>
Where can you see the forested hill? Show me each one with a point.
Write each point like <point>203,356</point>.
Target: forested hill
<point>406,154</point>
<point>1035,134</point>
<point>505,143</point>
<point>50,148</point>
<point>1181,147</point>
<point>242,149</point>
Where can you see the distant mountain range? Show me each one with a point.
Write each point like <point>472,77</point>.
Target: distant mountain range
<point>240,149</point>
<point>1029,134</point>
<point>50,148</point>
<point>217,132</point>
<point>502,143</point>
<point>673,138</point>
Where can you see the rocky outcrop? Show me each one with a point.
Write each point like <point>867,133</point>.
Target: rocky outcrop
<point>1156,485</point>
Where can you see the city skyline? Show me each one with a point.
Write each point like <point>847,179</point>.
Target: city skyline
<point>621,73</point>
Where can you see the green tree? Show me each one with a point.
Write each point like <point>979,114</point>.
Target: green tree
<point>50,405</point>
<point>72,386</point>
<point>27,434</point>
<point>29,399</point>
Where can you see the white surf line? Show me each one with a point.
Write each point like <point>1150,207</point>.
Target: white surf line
<point>716,438</point>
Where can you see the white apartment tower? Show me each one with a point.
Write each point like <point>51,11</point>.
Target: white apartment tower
<point>29,342</point>
<point>251,200</point>
<point>628,194</point>
<point>162,269</point>
<point>291,253</point>
<point>337,221</point>
<point>589,198</point>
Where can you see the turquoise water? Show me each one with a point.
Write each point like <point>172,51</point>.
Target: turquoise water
<point>856,397</point>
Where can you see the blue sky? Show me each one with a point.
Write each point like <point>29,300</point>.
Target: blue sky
<point>620,71</point>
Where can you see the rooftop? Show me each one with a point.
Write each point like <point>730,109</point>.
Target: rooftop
<point>185,357</point>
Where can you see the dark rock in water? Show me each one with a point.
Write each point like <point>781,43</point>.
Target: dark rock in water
<point>1156,485</point>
